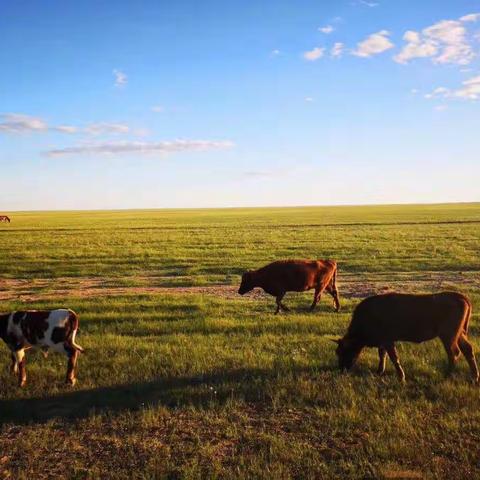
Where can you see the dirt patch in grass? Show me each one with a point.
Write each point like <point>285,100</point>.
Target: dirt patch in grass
<point>350,286</point>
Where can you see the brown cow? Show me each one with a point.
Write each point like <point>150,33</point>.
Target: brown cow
<point>381,320</point>
<point>54,329</point>
<point>283,276</point>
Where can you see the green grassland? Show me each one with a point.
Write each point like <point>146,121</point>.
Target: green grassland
<point>183,379</point>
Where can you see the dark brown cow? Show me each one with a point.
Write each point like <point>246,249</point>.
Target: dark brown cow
<point>4,218</point>
<point>54,329</point>
<point>381,320</point>
<point>284,276</point>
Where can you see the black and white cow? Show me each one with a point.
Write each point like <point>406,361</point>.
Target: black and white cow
<point>55,329</point>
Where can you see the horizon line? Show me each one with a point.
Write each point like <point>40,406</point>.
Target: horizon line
<point>338,205</point>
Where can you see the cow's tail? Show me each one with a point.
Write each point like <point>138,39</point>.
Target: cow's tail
<point>467,315</point>
<point>333,286</point>
<point>73,318</point>
<point>334,276</point>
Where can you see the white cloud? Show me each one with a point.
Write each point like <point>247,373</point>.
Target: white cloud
<point>438,92</point>
<point>309,99</point>
<point>374,44</point>
<point>158,109</point>
<point>337,50</point>
<point>366,3</point>
<point>470,90</point>
<point>19,123</point>
<point>441,108</point>
<point>445,42</point>
<point>106,129</point>
<point>120,78</point>
<point>471,17</point>
<point>275,53</point>
<point>314,54</point>
<point>415,47</point>
<point>142,148</point>
<point>66,129</point>
<point>326,29</point>
<point>414,91</point>
<point>261,173</point>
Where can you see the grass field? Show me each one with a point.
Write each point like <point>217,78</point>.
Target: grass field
<point>183,378</point>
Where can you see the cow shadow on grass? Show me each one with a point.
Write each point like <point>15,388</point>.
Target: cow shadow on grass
<point>203,390</point>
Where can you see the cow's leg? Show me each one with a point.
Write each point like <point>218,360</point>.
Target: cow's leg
<point>392,353</point>
<point>332,290</point>
<point>453,351</point>
<point>382,355</point>
<point>467,350</point>
<point>20,361</point>
<point>316,298</point>
<point>14,364</point>
<point>280,305</point>
<point>72,354</point>
<point>336,301</point>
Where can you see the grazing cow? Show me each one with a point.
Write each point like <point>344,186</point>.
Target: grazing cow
<point>54,329</point>
<point>4,218</point>
<point>284,276</point>
<point>381,320</point>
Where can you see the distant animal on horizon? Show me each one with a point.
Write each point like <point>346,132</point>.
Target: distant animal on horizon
<point>55,329</point>
<point>284,276</point>
<point>4,218</point>
<point>382,320</point>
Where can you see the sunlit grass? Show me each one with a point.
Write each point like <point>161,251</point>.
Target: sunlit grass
<point>183,385</point>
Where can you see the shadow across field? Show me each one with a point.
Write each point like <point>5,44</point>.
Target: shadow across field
<point>218,387</point>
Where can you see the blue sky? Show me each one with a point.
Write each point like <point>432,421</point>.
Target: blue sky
<point>208,104</point>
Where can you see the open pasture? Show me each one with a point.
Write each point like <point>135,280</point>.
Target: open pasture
<point>182,378</point>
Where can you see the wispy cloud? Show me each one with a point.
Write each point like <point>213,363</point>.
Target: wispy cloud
<point>471,17</point>
<point>326,29</point>
<point>14,123</point>
<point>365,3</point>
<point>261,173</point>
<point>275,53</point>
<point>309,99</point>
<point>314,54</point>
<point>337,50</point>
<point>470,90</point>
<point>374,44</point>
<point>104,128</point>
<point>20,123</point>
<point>66,129</point>
<point>445,42</point>
<point>141,148</point>
<point>121,78</point>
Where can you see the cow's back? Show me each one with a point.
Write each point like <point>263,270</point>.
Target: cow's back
<point>290,275</point>
<point>406,317</point>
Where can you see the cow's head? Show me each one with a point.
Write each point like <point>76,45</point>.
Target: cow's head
<point>3,325</point>
<point>348,350</point>
<point>247,283</point>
